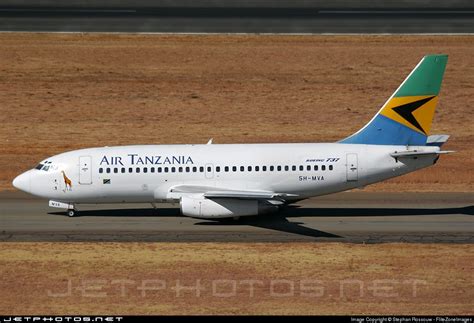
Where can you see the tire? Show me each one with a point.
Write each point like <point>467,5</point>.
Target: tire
<point>71,213</point>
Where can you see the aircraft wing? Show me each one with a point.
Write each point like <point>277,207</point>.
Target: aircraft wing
<point>246,195</point>
<point>215,192</point>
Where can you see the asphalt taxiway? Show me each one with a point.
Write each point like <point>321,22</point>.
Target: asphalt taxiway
<point>181,16</point>
<point>359,217</point>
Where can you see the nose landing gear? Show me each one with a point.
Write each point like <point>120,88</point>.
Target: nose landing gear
<point>71,210</point>
<point>71,213</point>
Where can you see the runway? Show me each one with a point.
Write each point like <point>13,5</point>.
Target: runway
<point>357,217</point>
<point>236,20</point>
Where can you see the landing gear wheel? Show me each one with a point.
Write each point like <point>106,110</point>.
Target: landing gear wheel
<point>71,213</point>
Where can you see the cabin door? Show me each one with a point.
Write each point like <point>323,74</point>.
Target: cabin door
<point>85,170</point>
<point>352,167</point>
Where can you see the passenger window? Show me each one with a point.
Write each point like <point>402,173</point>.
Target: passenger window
<point>188,169</point>
<point>145,169</point>
<point>159,169</point>
<point>101,170</point>
<point>249,168</point>
<point>293,168</point>
<point>180,169</point>
<point>209,169</point>
<point>315,167</point>
<point>287,168</point>
<point>115,170</point>
<point>323,167</point>
<point>201,169</point>
<point>301,167</point>
<point>272,168</point>
<point>257,168</point>
<point>234,168</point>
<point>173,169</point>
<point>308,167</point>
<point>194,169</point>
<point>123,170</point>
<point>330,167</point>
<point>226,169</point>
<point>242,168</point>
<point>130,170</point>
<point>138,169</point>
<point>279,168</point>
<point>218,169</point>
<point>264,168</point>
<point>166,169</point>
<point>108,170</point>
<point>152,169</point>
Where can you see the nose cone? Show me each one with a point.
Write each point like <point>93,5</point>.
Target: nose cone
<point>23,182</point>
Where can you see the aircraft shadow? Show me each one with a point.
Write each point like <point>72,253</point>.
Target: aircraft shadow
<point>296,211</point>
<point>275,222</point>
<point>279,221</point>
<point>150,212</point>
<point>291,211</point>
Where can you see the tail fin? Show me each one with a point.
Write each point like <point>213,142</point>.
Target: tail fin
<point>406,117</point>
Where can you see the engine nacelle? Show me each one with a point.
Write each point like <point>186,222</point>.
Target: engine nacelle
<point>200,207</point>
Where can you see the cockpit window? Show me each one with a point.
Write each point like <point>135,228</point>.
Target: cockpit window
<point>44,166</point>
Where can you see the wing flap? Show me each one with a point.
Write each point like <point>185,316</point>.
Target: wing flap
<point>246,195</point>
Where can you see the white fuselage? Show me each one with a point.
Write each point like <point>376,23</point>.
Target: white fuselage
<point>148,173</point>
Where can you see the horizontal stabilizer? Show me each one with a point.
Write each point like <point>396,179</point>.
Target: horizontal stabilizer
<point>415,153</point>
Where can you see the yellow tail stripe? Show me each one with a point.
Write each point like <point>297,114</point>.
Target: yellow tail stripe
<point>423,114</point>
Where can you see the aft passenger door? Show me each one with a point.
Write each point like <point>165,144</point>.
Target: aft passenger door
<point>352,168</point>
<point>85,170</point>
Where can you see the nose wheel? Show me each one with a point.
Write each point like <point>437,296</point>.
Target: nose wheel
<point>71,213</point>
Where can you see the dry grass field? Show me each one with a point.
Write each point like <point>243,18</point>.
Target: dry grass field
<point>63,92</point>
<point>235,278</point>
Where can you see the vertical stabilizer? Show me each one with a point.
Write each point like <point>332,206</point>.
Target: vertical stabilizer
<point>406,117</point>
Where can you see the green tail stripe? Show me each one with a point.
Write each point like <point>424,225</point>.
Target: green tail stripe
<point>426,78</point>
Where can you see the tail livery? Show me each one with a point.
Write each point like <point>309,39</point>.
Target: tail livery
<point>406,117</point>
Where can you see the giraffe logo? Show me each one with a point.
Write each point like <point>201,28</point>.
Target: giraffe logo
<point>67,182</point>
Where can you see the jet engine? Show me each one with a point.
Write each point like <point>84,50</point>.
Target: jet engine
<point>201,207</point>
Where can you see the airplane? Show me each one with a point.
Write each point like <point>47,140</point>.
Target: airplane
<point>215,181</point>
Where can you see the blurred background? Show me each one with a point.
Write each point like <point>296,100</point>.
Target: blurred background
<point>239,16</point>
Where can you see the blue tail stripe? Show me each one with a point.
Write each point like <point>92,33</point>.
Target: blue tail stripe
<point>385,131</point>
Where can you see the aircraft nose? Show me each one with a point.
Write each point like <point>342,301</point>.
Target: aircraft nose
<point>23,182</point>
